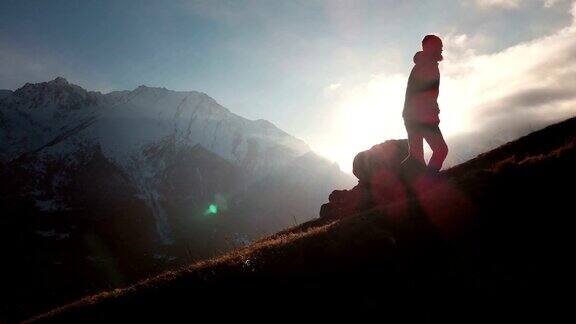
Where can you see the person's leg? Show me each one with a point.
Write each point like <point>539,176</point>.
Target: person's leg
<point>434,138</point>
<point>415,143</point>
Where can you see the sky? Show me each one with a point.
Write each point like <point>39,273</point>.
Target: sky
<point>331,72</point>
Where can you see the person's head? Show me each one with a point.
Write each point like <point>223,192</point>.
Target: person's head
<point>432,45</point>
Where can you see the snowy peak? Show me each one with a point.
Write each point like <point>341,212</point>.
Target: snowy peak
<point>60,116</point>
<point>146,96</point>
<point>59,81</point>
<point>38,113</point>
<point>191,117</point>
<point>58,94</point>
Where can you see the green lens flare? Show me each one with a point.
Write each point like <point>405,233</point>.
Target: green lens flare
<point>212,210</point>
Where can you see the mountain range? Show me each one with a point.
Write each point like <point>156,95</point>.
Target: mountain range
<point>99,190</point>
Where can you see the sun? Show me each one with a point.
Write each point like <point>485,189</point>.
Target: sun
<point>364,116</point>
<point>370,113</point>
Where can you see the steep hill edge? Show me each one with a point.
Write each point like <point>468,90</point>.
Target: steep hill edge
<point>504,263</point>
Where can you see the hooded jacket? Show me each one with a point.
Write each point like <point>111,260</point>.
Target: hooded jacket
<point>420,102</point>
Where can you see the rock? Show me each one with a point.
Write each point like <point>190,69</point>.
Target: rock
<point>388,155</point>
<point>380,181</point>
<point>345,202</point>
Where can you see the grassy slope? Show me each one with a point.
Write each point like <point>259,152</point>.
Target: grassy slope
<point>485,244</point>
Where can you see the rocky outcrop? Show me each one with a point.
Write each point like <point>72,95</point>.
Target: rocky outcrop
<point>379,181</point>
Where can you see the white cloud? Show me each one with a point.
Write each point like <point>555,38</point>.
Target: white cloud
<point>334,86</point>
<point>485,99</point>
<point>551,3</point>
<point>530,79</point>
<point>512,4</point>
<point>504,4</point>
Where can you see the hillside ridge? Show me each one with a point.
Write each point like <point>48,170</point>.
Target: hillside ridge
<point>403,255</point>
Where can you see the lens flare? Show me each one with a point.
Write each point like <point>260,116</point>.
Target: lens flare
<point>212,210</point>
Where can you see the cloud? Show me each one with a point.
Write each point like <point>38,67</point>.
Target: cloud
<point>503,4</point>
<point>491,98</point>
<point>512,4</point>
<point>551,3</point>
<point>540,71</point>
<point>334,86</point>
<point>485,99</point>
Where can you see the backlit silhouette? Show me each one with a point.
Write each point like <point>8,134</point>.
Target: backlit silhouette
<point>421,111</point>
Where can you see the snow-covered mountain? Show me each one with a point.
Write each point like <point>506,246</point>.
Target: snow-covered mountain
<point>38,117</point>
<point>101,189</point>
<point>55,120</point>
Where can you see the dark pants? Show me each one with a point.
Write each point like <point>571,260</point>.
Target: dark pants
<point>417,132</point>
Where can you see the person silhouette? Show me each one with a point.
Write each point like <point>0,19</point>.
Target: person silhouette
<point>421,111</point>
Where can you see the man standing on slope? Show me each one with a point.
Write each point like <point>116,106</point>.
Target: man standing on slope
<point>421,107</point>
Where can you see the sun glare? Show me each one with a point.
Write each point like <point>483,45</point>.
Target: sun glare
<point>371,113</point>
<point>366,115</point>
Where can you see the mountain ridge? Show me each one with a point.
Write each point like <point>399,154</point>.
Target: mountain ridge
<point>60,89</point>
